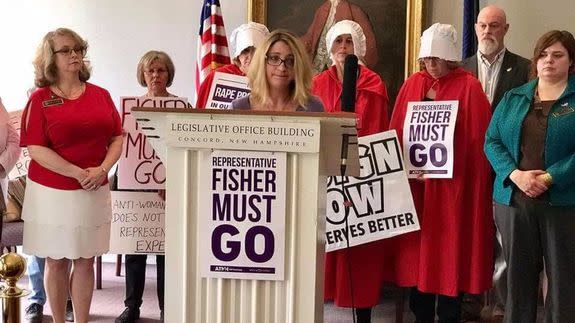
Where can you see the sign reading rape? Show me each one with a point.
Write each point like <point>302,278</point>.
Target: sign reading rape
<point>226,88</point>
<point>381,202</point>
<point>242,234</point>
<point>137,223</point>
<point>428,138</point>
<point>139,167</point>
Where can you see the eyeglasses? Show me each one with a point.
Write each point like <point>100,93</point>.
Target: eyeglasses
<point>431,59</point>
<point>80,50</point>
<point>157,71</point>
<point>276,60</point>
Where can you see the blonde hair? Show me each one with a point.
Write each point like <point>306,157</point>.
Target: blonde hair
<point>300,88</point>
<point>45,71</point>
<point>148,59</point>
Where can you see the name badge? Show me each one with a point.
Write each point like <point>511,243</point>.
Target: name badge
<point>52,102</point>
<point>563,110</point>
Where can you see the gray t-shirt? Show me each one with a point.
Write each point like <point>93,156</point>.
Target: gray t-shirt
<point>313,105</point>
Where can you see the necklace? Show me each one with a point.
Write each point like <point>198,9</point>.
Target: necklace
<point>74,93</point>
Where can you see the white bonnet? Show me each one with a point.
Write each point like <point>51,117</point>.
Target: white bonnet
<point>440,40</point>
<point>347,27</point>
<point>247,35</point>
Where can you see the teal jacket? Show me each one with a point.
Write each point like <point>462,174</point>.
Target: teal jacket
<point>503,141</point>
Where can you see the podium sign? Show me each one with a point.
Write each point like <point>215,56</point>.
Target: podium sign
<point>244,216</point>
<point>244,135</point>
<point>188,139</point>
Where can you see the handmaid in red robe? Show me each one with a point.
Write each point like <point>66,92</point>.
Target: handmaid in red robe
<point>207,83</point>
<point>452,253</point>
<point>367,265</point>
<point>371,98</point>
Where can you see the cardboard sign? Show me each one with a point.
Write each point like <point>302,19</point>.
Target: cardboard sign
<point>139,166</point>
<point>428,138</point>
<point>226,88</point>
<point>243,215</point>
<point>137,223</point>
<point>21,167</point>
<point>381,201</point>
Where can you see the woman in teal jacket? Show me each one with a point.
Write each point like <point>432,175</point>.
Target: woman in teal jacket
<point>530,143</point>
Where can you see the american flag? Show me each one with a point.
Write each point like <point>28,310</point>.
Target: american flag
<point>212,50</point>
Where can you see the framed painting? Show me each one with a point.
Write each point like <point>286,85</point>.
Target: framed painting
<point>396,25</point>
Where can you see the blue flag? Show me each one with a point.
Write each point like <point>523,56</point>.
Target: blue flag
<point>469,39</point>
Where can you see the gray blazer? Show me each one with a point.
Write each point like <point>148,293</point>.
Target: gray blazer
<point>514,72</point>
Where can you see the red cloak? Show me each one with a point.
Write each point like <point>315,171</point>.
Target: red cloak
<point>207,83</point>
<point>371,99</point>
<point>453,251</point>
<point>367,265</point>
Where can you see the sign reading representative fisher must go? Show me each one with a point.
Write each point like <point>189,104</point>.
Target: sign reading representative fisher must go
<point>243,216</point>
<point>428,138</point>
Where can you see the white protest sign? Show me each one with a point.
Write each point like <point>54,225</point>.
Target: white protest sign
<point>243,215</point>
<point>428,138</point>
<point>381,201</point>
<point>226,88</point>
<point>21,167</point>
<point>139,166</point>
<point>137,223</point>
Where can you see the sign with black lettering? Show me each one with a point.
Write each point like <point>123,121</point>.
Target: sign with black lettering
<point>243,219</point>
<point>379,202</point>
<point>21,167</point>
<point>137,223</point>
<point>226,88</point>
<point>428,138</point>
<point>139,167</point>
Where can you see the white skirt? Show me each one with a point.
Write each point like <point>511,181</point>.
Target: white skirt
<point>66,223</point>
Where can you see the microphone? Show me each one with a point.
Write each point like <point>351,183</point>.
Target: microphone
<point>349,83</point>
<point>343,156</point>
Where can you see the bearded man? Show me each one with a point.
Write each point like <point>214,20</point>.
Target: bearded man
<point>498,69</point>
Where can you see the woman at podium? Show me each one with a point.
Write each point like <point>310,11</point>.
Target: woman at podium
<point>243,41</point>
<point>452,254</point>
<point>280,77</point>
<point>345,38</point>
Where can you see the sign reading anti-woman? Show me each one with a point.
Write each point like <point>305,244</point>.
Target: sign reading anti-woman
<point>242,220</point>
<point>428,138</point>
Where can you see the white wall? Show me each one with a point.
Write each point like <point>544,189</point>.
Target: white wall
<point>528,19</point>
<point>119,32</point>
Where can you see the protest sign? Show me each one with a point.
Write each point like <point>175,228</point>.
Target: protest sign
<point>242,225</point>
<point>428,138</point>
<point>381,201</point>
<point>139,166</point>
<point>137,223</point>
<point>21,166</point>
<point>226,88</point>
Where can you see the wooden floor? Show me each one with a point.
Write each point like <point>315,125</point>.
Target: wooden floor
<point>108,302</point>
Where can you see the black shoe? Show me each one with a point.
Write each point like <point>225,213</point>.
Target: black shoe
<point>129,315</point>
<point>162,315</point>
<point>69,311</point>
<point>34,313</point>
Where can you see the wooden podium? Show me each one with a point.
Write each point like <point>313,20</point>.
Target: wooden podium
<point>183,138</point>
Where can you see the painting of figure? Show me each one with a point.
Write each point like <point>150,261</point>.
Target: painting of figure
<point>383,23</point>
